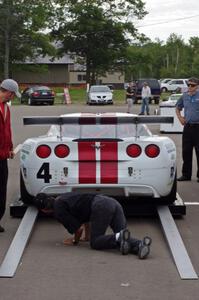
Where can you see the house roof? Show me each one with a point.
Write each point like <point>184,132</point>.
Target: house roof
<point>66,59</point>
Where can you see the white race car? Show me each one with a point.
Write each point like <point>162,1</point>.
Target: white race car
<point>110,153</point>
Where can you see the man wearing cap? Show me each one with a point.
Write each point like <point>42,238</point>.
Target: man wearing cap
<point>73,210</point>
<point>8,90</point>
<point>190,137</point>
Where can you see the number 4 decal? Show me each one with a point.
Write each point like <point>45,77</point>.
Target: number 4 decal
<point>44,172</point>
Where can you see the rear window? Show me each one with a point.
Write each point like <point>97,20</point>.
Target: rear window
<point>100,131</point>
<point>40,88</point>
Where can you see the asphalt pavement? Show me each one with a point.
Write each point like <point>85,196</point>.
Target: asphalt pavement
<point>50,270</point>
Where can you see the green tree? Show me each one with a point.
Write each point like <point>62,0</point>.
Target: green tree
<point>194,56</point>
<point>21,36</point>
<point>176,58</point>
<point>144,60</point>
<point>97,32</point>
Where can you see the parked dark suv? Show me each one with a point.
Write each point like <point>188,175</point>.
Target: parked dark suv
<point>154,86</point>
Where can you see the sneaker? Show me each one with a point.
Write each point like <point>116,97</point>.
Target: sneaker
<point>124,240</point>
<point>144,247</point>
<point>183,178</point>
<point>1,229</point>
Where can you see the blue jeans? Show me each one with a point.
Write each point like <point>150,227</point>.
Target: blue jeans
<point>145,104</point>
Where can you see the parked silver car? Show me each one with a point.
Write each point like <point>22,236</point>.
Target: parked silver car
<point>100,94</point>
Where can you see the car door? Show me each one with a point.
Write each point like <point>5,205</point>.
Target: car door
<point>175,84</point>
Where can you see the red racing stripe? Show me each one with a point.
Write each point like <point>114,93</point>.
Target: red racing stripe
<point>109,162</point>
<point>87,118</point>
<point>109,118</point>
<point>87,162</point>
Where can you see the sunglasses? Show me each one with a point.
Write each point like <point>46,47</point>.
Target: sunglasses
<point>191,85</point>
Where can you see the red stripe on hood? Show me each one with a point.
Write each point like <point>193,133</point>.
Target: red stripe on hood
<point>109,162</point>
<point>87,162</point>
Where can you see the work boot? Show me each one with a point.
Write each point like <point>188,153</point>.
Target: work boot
<point>144,247</point>
<point>124,241</point>
<point>1,229</point>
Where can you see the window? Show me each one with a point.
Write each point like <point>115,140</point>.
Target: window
<point>81,77</point>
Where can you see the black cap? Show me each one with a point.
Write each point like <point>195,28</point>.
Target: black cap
<point>194,80</point>
<point>44,201</point>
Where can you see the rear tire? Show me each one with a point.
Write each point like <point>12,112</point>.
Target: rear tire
<point>169,199</point>
<point>25,196</point>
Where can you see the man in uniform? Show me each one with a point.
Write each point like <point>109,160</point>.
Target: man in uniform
<point>190,137</point>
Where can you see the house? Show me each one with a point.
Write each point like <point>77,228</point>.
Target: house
<point>60,72</point>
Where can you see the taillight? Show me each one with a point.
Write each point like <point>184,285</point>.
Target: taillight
<point>152,151</point>
<point>134,150</point>
<point>35,94</point>
<point>43,151</point>
<point>62,151</point>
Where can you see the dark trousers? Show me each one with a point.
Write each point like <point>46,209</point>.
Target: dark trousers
<point>106,212</point>
<point>190,140</point>
<point>3,185</point>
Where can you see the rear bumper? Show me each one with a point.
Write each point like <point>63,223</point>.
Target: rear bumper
<point>108,189</point>
<point>42,99</point>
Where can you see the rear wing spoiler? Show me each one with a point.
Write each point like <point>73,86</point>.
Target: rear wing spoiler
<point>90,120</point>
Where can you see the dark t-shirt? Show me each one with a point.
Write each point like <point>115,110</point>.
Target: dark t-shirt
<point>73,210</point>
<point>130,90</point>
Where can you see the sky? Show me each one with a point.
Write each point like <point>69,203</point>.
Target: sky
<point>166,16</point>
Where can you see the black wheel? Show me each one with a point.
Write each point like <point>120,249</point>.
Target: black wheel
<point>169,199</point>
<point>164,90</point>
<point>25,196</point>
<point>156,100</point>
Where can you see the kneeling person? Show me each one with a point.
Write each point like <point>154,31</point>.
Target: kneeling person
<point>75,209</point>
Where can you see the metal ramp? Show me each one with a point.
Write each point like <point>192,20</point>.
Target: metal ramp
<point>16,249</point>
<point>176,245</point>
